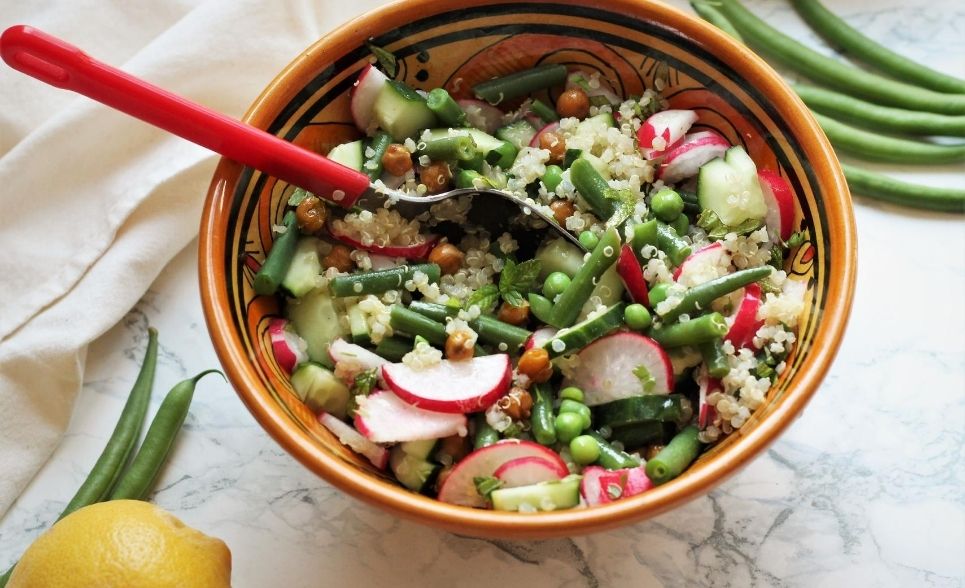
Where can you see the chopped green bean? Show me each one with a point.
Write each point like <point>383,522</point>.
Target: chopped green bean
<point>568,306</point>
<point>447,110</point>
<point>489,328</point>
<point>700,296</point>
<point>644,234</point>
<point>379,281</point>
<point>592,187</point>
<point>658,293</point>
<point>541,307</point>
<point>544,111</point>
<point>373,165</point>
<point>541,415</point>
<point>393,348</point>
<point>668,241</point>
<point>409,321</point>
<point>520,83</point>
<point>714,358</point>
<point>468,178</point>
<point>693,332</point>
<point>675,457</point>
<point>273,271</point>
<point>610,458</point>
<point>485,435</point>
<point>455,148</point>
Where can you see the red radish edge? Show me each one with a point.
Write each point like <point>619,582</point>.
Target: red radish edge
<point>745,323</point>
<point>594,488</point>
<point>630,271</point>
<point>384,418</point>
<point>549,128</point>
<point>779,198</point>
<point>346,435</point>
<point>448,386</point>
<point>540,336</point>
<point>412,252</point>
<point>488,118</point>
<point>684,159</point>
<point>670,125</point>
<point>284,345</point>
<point>706,414</point>
<point>525,471</point>
<point>363,95</point>
<point>714,247</point>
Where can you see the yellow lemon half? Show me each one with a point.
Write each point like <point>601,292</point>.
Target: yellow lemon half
<point>123,544</point>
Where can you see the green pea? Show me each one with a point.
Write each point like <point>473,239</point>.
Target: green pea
<point>667,205</point>
<point>568,426</point>
<point>584,449</point>
<point>637,317</point>
<point>572,393</point>
<point>555,284</point>
<point>572,406</point>
<point>681,224</point>
<point>658,293</point>
<point>588,240</point>
<point>552,177</point>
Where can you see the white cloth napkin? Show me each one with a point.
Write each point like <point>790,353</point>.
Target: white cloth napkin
<point>93,203</point>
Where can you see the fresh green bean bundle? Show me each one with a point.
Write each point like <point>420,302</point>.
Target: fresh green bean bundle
<point>876,147</point>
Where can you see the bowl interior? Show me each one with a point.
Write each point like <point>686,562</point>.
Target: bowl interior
<point>634,46</point>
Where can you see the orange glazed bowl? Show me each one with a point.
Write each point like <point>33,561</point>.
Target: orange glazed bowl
<point>634,44</point>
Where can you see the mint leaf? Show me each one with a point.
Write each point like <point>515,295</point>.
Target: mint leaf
<point>526,274</point>
<point>514,298</point>
<point>716,229</point>
<point>517,279</point>
<point>385,58</point>
<point>484,297</point>
<point>507,276</point>
<point>645,377</point>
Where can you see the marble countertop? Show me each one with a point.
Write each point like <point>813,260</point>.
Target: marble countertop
<point>867,488</point>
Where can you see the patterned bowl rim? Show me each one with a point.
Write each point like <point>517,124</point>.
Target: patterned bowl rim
<point>842,272</point>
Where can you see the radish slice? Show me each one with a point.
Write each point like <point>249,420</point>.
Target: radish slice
<point>540,337</point>
<point>415,252</point>
<point>383,418</point>
<point>364,93</point>
<point>630,271</point>
<point>707,263</point>
<point>663,130</point>
<point>289,349</point>
<point>744,322</point>
<point>525,471</point>
<point>550,128</point>
<point>381,262</point>
<point>605,371</point>
<point>452,386</point>
<point>601,486</point>
<point>341,351</point>
<point>706,414</point>
<point>685,159</point>
<point>482,115</point>
<point>779,199</point>
<point>459,487</point>
<point>378,455</point>
<point>574,81</point>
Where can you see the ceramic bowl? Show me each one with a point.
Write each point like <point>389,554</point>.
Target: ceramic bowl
<point>634,44</point>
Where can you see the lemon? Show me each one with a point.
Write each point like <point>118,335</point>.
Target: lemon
<point>123,544</point>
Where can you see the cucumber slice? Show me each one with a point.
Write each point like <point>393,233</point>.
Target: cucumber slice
<point>729,187</point>
<point>596,125</point>
<point>609,289</point>
<point>519,133</point>
<point>320,390</point>
<point>412,472</point>
<point>401,111</point>
<point>349,154</point>
<point>544,496</point>
<point>643,433</point>
<point>582,334</point>
<point>305,267</point>
<point>671,408</point>
<point>317,322</point>
<point>597,163</point>
<point>421,449</point>
<point>559,255</point>
<point>358,326</point>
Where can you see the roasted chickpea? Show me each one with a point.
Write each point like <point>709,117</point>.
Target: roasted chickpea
<point>435,176</point>
<point>562,210</point>
<point>397,160</point>
<point>339,258</point>
<point>514,315</point>
<point>448,257</point>
<point>459,346</point>
<point>517,404</point>
<point>311,214</point>
<point>573,102</point>
<point>555,144</point>
<point>535,364</point>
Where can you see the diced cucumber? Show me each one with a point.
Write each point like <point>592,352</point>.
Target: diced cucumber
<point>609,289</point>
<point>559,255</point>
<point>544,496</point>
<point>597,163</point>
<point>401,111</point>
<point>730,188</point>
<point>582,334</point>
<point>596,125</point>
<point>669,408</point>
<point>316,321</point>
<point>652,432</point>
<point>349,154</point>
<point>519,133</point>
<point>304,269</point>
<point>411,471</point>
<point>358,326</point>
<point>320,390</point>
<point>421,449</point>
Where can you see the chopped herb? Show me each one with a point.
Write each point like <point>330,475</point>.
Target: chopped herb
<point>625,202</point>
<point>645,377</point>
<point>716,229</point>
<point>764,371</point>
<point>386,59</point>
<point>484,297</point>
<point>486,484</point>
<point>364,382</point>
<point>516,280</point>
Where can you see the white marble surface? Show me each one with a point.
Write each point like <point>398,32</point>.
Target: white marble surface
<point>866,489</point>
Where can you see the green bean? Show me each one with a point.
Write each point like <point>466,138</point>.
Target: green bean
<point>552,177</point>
<point>447,110</point>
<point>541,415</point>
<point>681,224</point>
<point>379,281</point>
<point>409,321</point>
<point>644,234</point>
<point>503,155</point>
<point>568,305</point>
<point>698,330</point>
<point>458,147</point>
<point>675,457</point>
<point>541,307</point>
<point>668,241</point>
<point>545,112</point>
<point>714,358</point>
<point>824,69</point>
<point>484,434</point>
<point>877,147</point>
<point>658,293</point>
<point>490,329</point>
<point>139,478</point>
<point>841,35</point>
<point>474,164</point>
<point>373,165</point>
<point>468,178</point>
<point>610,458</point>
<point>699,297</point>
<point>882,187</point>
<point>520,83</point>
<point>708,12</point>
<point>592,187</point>
<point>880,118</point>
<point>393,348</point>
<point>273,271</point>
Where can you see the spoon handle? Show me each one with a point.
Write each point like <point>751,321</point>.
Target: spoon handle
<point>63,65</point>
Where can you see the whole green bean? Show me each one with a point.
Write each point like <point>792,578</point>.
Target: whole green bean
<point>675,457</point>
<point>708,12</point>
<point>568,305</point>
<point>379,281</point>
<point>698,330</point>
<point>139,478</point>
<point>373,165</point>
<point>880,118</point>
<point>877,147</point>
<point>610,458</point>
<point>541,415</point>
<point>544,111</point>
<point>714,358</point>
<point>393,348</point>
<point>408,321</point>
<point>592,187</point>
<point>458,147</point>
<point>520,83</point>
<point>840,34</point>
<point>273,271</point>
<point>447,110</point>
<point>668,241</point>
<point>882,187</point>
<point>484,434</point>
<point>834,73</point>
<point>489,329</point>
<point>699,297</point>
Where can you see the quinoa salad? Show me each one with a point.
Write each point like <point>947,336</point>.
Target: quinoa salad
<point>499,365</point>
